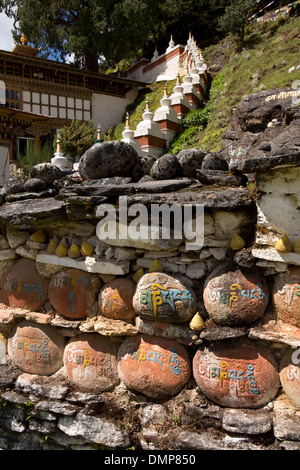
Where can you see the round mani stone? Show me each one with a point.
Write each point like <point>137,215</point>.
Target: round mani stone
<point>157,367</point>
<point>91,363</point>
<point>286,296</point>
<point>36,349</point>
<point>161,297</point>
<point>290,375</point>
<point>238,375</point>
<point>115,299</point>
<point>72,292</point>
<point>233,296</point>
<point>22,286</point>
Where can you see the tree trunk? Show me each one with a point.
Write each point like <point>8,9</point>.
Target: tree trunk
<point>90,62</point>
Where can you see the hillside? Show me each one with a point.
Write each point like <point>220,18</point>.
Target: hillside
<point>271,49</point>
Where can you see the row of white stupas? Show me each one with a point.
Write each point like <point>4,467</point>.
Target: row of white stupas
<point>156,131</point>
<point>167,65</point>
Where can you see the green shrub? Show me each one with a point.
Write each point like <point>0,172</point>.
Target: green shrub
<point>196,118</point>
<point>77,138</point>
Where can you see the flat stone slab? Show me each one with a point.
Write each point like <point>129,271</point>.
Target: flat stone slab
<point>230,198</point>
<point>96,189</point>
<point>24,214</point>
<point>279,332</point>
<point>270,254</point>
<point>90,264</point>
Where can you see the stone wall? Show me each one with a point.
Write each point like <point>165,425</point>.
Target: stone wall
<point>123,343</point>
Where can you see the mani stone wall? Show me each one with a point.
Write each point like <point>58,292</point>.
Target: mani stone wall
<point>145,344</point>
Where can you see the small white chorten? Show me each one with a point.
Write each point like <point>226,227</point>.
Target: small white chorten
<point>128,137</point>
<point>59,159</point>
<point>167,118</point>
<point>148,133</point>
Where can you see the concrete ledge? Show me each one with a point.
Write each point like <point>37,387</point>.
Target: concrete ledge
<point>91,264</point>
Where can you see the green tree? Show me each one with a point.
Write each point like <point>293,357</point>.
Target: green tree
<point>235,18</point>
<point>77,138</point>
<point>90,29</point>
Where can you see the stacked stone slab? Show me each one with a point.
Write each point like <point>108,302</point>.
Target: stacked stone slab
<point>146,342</point>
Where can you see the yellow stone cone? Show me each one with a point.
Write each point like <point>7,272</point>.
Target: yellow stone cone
<point>237,242</point>
<point>297,246</point>
<point>51,248</point>
<point>284,245</point>
<point>61,251</point>
<point>197,322</point>
<point>155,267</point>
<point>86,249</point>
<point>138,274</point>
<point>39,236</point>
<point>74,251</point>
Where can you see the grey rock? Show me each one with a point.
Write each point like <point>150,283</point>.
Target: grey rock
<point>247,421</point>
<point>98,430</point>
<point>34,185</point>
<point>230,198</point>
<point>55,406</point>
<point>24,214</point>
<point>32,195</point>
<point>269,124</point>
<point>213,161</point>
<point>108,159</point>
<point>12,186</point>
<point>166,167</point>
<point>190,160</point>
<point>46,172</point>
<point>219,177</point>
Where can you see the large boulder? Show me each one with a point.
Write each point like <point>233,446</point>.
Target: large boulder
<point>46,172</point>
<point>108,159</point>
<point>264,133</point>
<point>191,160</point>
<point>166,167</point>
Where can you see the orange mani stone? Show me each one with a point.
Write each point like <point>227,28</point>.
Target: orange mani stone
<point>22,286</point>
<point>290,375</point>
<point>157,367</point>
<point>91,363</point>
<point>286,296</point>
<point>71,293</point>
<point>161,297</point>
<point>240,374</point>
<point>36,349</point>
<point>115,299</point>
<point>234,296</point>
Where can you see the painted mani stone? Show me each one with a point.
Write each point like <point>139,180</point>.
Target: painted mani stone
<point>91,363</point>
<point>36,349</point>
<point>290,375</point>
<point>71,293</point>
<point>286,296</point>
<point>115,299</point>
<point>161,297</point>
<point>157,367</point>
<point>235,297</point>
<point>22,286</point>
<point>237,375</point>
